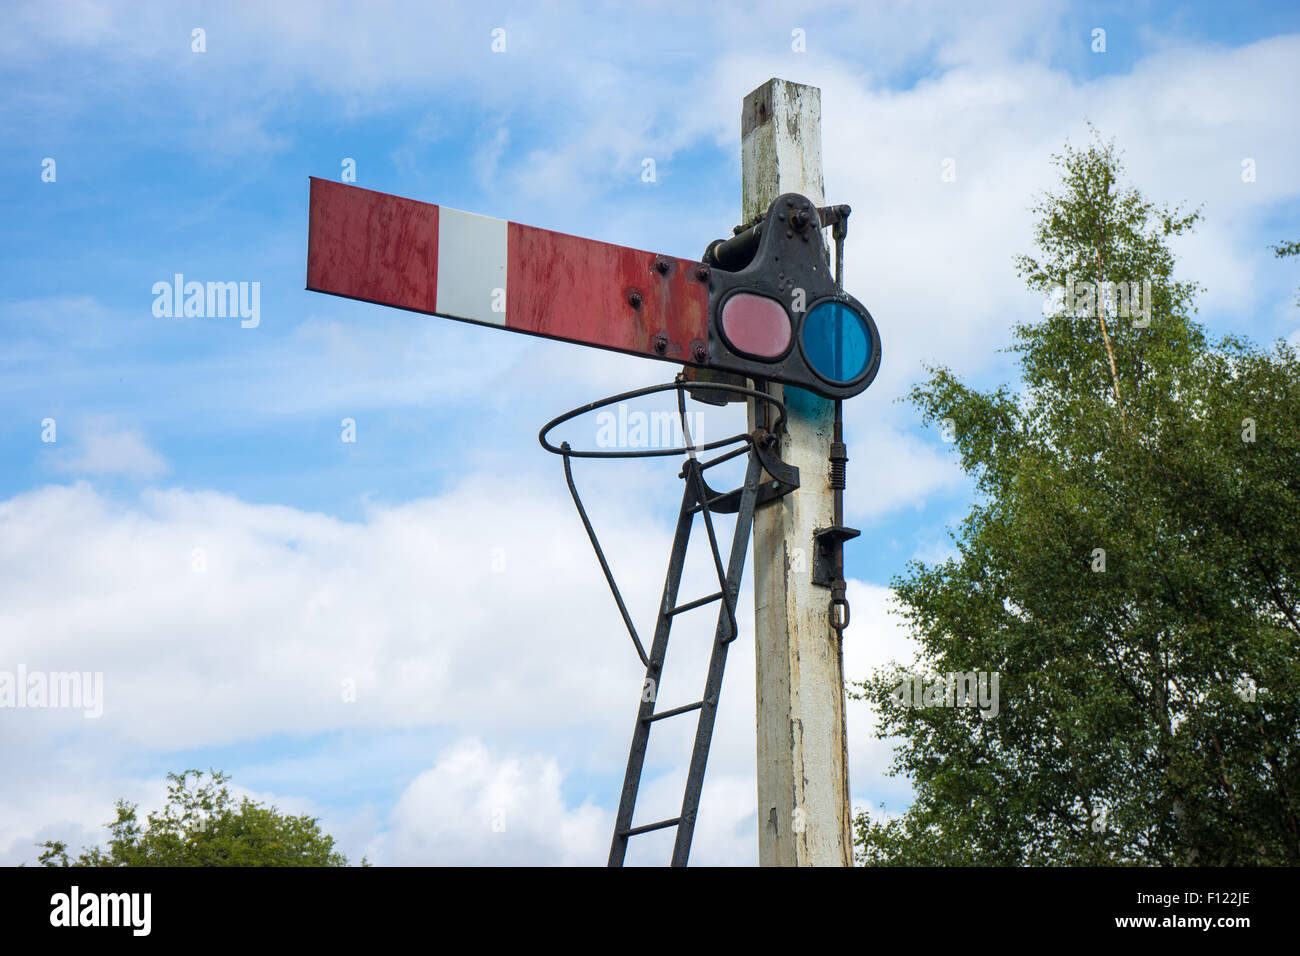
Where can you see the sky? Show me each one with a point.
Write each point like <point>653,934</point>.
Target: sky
<point>407,634</point>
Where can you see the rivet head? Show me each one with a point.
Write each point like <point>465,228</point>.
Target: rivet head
<point>634,298</point>
<point>660,342</point>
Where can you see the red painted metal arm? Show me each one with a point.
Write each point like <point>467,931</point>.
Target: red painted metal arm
<point>413,255</point>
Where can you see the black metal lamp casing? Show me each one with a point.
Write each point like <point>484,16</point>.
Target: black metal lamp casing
<point>776,313</point>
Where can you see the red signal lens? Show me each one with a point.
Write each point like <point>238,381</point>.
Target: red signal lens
<point>756,325</point>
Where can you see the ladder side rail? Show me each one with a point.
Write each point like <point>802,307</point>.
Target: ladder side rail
<point>645,710</point>
<point>723,636</point>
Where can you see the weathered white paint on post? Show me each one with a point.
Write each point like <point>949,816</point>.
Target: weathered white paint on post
<point>803,779</point>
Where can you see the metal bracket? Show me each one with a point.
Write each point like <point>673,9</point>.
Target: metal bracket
<point>826,543</point>
<point>786,475</point>
<point>784,478</point>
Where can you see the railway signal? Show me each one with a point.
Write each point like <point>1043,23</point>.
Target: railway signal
<point>762,306</point>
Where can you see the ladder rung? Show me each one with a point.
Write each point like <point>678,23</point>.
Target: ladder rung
<point>698,602</point>
<point>743,449</point>
<point>674,712</point>
<point>720,496</point>
<point>651,826</point>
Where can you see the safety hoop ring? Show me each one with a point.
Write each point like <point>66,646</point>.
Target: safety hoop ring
<point>564,449</point>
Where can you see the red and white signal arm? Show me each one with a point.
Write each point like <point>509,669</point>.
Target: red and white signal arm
<point>765,307</point>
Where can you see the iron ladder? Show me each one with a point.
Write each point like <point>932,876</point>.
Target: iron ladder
<point>697,498</point>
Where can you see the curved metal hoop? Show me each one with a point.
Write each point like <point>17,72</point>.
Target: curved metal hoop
<point>564,450</point>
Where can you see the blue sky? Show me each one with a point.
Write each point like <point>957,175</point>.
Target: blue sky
<point>436,561</point>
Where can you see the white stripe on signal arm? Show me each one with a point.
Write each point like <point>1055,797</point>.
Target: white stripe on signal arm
<point>472,256</point>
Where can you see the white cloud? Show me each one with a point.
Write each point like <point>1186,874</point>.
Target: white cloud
<point>102,449</point>
<point>227,615</point>
<point>890,469</point>
<point>474,807</point>
<point>252,639</point>
<point>877,636</point>
<point>215,621</point>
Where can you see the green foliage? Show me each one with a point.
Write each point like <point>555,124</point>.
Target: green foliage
<point>1148,712</point>
<point>1284,249</point>
<point>202,825</point>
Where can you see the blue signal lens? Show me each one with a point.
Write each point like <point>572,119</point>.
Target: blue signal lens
<point>836,342</point>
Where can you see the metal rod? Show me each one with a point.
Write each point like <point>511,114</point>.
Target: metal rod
<point>732,255</point>
<point>604,565</point>
<point>684,709</point>
<point>702,493</point>
<point>713,539</point>
<point>679,385</point>
<point>698,602</point>
<point>714,500</point>
<point>662,824</point>
<point>721,458</point>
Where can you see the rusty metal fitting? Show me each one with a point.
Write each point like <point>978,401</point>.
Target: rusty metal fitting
<point>839,471</point>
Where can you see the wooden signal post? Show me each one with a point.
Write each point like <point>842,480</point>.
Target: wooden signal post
<point>803,776</point>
